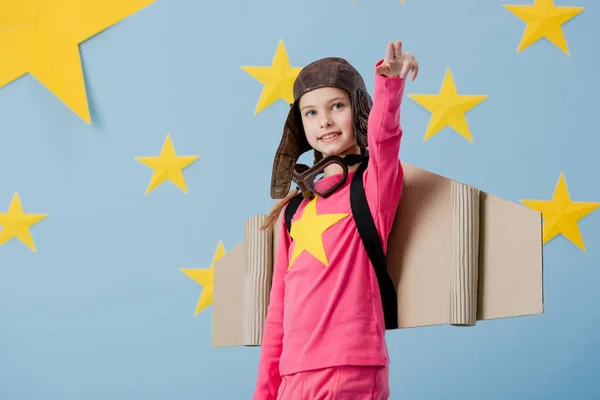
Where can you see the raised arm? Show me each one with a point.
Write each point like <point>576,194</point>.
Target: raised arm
<point>269,379</point>
<point>384,175</point>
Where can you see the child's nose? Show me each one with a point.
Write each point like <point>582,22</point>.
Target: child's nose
<point>326,121</point>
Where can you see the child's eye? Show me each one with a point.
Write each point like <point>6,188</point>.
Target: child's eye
<point>338,105</point>
<point>308,113</point>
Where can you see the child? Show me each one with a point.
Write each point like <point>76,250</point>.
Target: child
<point>324,335</point>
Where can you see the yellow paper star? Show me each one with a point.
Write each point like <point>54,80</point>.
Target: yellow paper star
<point>278,79</point>
<point>15,223</point>
<point>448,108</point>
<point>544,20</point>
<point>167,166</point>
<point>42,38</point>
<point>308,230</point>
<point>561,215</point>
<point>206,279</point>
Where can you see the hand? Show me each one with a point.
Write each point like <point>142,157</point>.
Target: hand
<point>397,63</point>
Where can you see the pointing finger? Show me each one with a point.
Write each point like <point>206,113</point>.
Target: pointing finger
<point>389,54</point>
<point>398,48</point>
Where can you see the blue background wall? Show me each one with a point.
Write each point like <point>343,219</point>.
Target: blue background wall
<point>102,311</point>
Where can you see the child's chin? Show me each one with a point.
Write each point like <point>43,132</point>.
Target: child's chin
<point>333,150</point>
<point>329,151</point>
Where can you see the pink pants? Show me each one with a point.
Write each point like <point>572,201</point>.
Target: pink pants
<point>337,383</point>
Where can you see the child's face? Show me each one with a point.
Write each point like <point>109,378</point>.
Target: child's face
<point>327,120</point>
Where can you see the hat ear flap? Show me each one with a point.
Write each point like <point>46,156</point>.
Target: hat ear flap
<point>291,147</point>
<point>362,107</point>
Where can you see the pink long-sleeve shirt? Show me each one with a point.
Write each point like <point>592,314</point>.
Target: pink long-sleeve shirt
<point>327,314</point>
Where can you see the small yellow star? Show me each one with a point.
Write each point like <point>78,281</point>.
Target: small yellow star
<point>448,108</point>
<point>15,223</point>
<point>167,166</point>
<point>561,215</point>
<point>206,279</point>
<point>308,230</point>
<point>544,20</point>
<point>42,38</point>
<point>278,79</point>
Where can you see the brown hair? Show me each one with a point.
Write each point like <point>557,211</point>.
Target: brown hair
<point>277,208</point>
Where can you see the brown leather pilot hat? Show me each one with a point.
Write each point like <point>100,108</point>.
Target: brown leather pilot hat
<point>326,72</point>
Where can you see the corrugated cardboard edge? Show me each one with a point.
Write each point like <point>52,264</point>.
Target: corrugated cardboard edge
<point>258,261</point>
<point>465,255</point>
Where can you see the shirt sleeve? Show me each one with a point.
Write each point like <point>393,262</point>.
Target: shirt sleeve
<point>269,378</point>
<point>384,174</point>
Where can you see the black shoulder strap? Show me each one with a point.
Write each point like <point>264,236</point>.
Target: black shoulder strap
<point>291,208</point>
<point>370,237</point>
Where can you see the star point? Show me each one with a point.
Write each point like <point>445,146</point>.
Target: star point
<point>206,279</point>
<point>308,230</point>
<point>167,166</point>
<point>15,223</point>
<point>543,19</point>
<point>277,79</point>
<point>42,38</point>
<point>561,215</point>
<point>448,108</point>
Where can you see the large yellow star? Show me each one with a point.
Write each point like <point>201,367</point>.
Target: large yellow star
<point>167,166</point>
<point>42,38</point>
<point>15,223</point>
<point>448,108</point>
<point>544,20</point>
<point>206,279</point>
<point>307,232</point>
<point>561,215</point>
<point>278,79</point>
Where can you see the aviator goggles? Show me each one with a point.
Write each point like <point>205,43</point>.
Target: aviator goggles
<point>305,177</point>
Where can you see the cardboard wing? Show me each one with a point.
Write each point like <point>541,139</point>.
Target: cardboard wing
<point>456,255</point>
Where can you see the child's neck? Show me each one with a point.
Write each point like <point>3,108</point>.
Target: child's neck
<point>335,169</point>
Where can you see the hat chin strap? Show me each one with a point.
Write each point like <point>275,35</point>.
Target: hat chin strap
<point>353,159</point>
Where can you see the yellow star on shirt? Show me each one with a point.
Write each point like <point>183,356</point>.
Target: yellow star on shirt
<point>15,223</point>
<point>448,108</point>
<point>278,79</point>
<point>206,279</point>
<point>167,166</point>
<point>42,38</point>
<point>561,214</point>
<point>544,20</point>
<point>307,232</point>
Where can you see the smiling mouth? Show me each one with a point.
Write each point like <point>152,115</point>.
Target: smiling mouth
<point>330,136</point>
